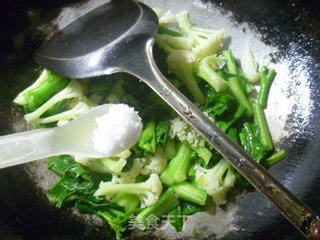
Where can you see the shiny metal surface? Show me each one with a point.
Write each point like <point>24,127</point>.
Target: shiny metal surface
<point>126,45</point>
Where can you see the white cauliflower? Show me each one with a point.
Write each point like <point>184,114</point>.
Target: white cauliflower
<point>155,163</point>
<point>216,181</point>
<point>148,192</point>
<point>184,132</point>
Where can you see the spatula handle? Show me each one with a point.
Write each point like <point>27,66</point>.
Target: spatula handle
<point>296,211</point>
<point>24,147</point>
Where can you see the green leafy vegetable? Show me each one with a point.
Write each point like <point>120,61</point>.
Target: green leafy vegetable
<point>179,215</point>
<point>161,132</point>
<point>147,140</point>
<point>251,143</point>
<point>113,213</point>
<point>76,180</point>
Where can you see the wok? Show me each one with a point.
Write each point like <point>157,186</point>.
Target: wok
<point>284,35</point>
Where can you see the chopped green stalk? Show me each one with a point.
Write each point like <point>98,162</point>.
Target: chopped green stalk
<point>265,83</point>
<point>251,70</point>
<point>189,192</point>
<point>177,169</point>
<point>230,62</point>
<point>73,90</point>
<point>236,89</point>
<point>203,153</point>
<point>265,137</point>
<point>207,68</point>
<point>170,149</point>
<point>125,154</point>
<point>167,201</point>
<point>96,165</point>
<point>148,191</point>
<point>115,166</point>
<point>128,201</point>
<point>47,85</point>
<point>147,140</point>
<point>181,64</point>
<point>276,157</point>
<point>164,30</point>
<point>51,86</point>
<point>191,173</point>
<point>20,99</point>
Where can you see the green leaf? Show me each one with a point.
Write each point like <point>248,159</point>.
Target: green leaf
<point>251,144</point>
<point>218,105</point>
<point>114,214</point>
<point>161,132</point>
<point>147,140</point>
<point>178,215</point>
<point>176,218</point>
<point>60,164</point>
<point>67,190</point>
<point>76,180</point>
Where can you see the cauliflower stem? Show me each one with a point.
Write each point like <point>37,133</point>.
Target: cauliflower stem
<point>177,168</point>
<point>148,191</point>
<point>167,201</point>
<point>191,193</point>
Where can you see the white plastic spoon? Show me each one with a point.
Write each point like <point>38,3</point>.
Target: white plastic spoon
<point>75,138</point>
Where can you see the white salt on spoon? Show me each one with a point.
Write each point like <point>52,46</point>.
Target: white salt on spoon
<point>103,131</point>
<point>117,130</point>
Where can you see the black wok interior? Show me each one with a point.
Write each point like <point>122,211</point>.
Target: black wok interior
<point>292,26</point>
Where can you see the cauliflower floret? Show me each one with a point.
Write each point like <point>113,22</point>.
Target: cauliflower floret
<point>216,181</point>
<point>251,67</point>
<point>184,132</point>
<point>148,191</point>
<point>209,41</point>
<point>155,163</point>
<point>130,176</point>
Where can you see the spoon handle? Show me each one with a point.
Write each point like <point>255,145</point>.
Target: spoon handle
<point>297,212</point>
<point>24,147</point>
